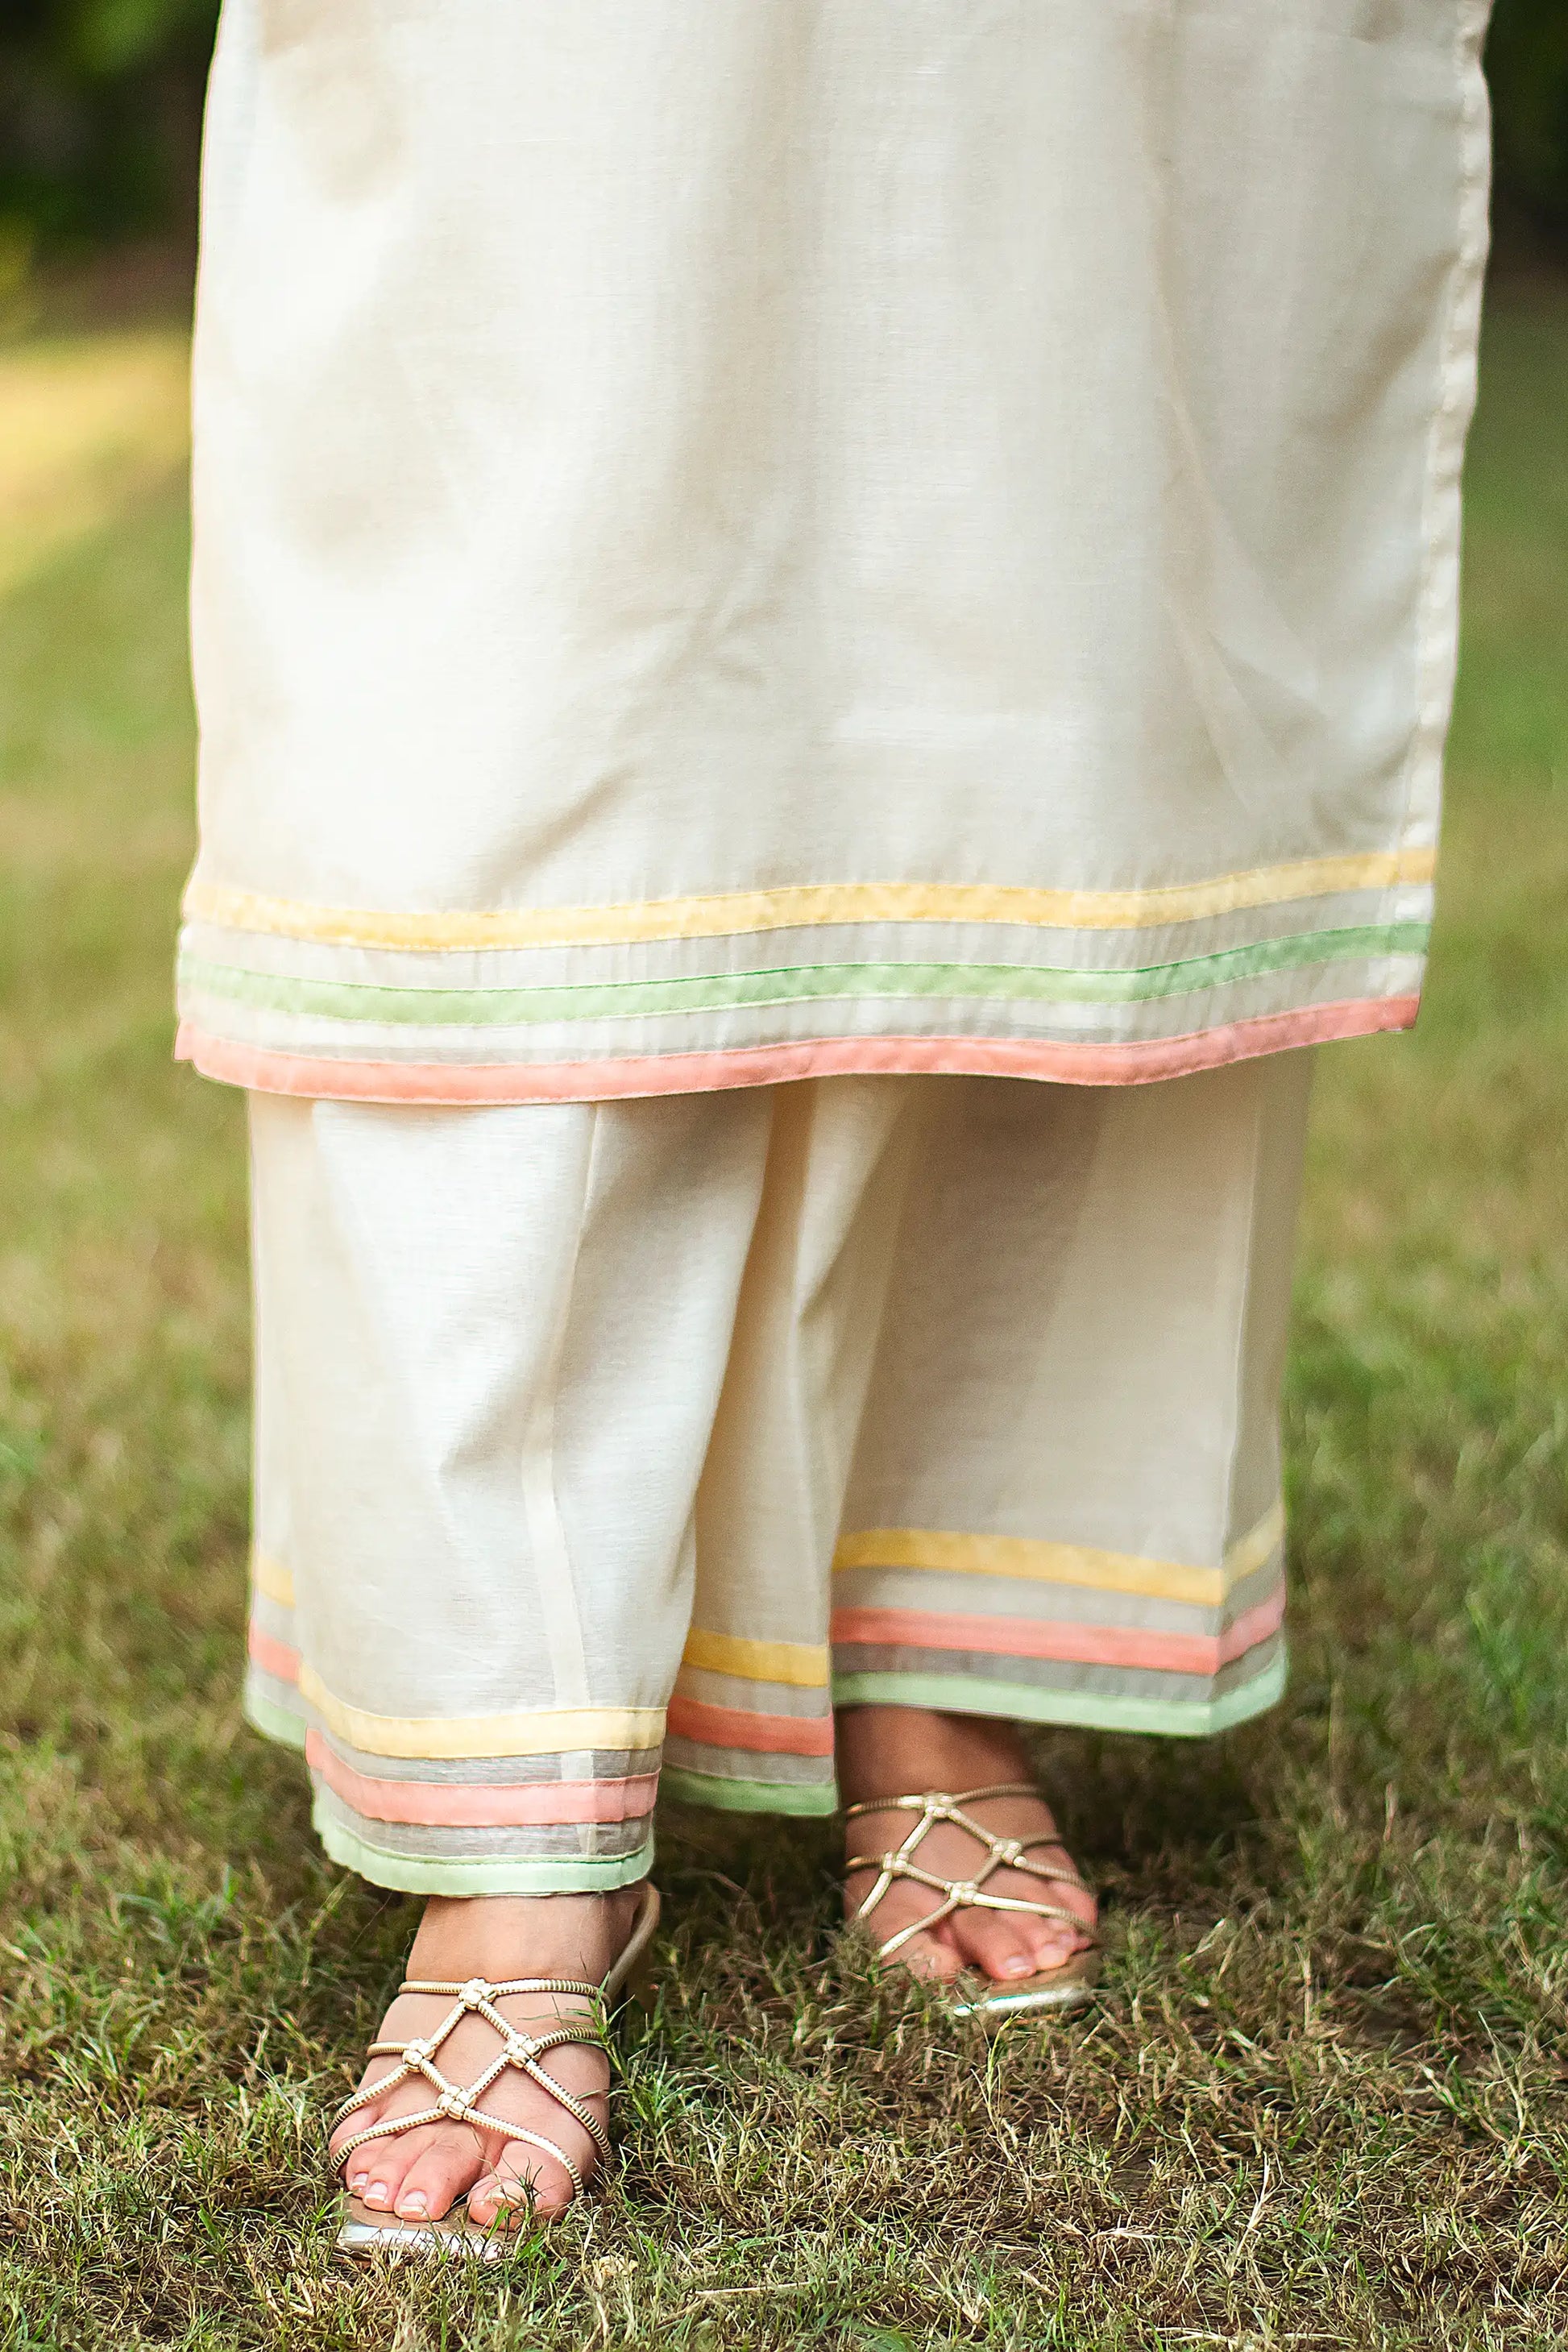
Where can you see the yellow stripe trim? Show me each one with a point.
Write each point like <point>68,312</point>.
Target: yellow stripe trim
<point>826,902</point>
<point>272,1580</point>
<point>435,1737</point>
<point>802,1663</point>
<point>1059,1563</point>
<point>1249,1551</point>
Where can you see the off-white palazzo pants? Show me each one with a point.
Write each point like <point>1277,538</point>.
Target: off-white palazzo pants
<point>598,1436</point>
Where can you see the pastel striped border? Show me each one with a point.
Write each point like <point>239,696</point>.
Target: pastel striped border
<point>1021,1557</point>
<point>1181,1718</point>
<point>432,1738</point>
<point>420,1875</point>
<point>809,904</point>
<point>1065,1645</point>
<point>720,1790</point>
<point>551,1874</point>
<point>1136,1063</point>
<point>628,1000</point>
<point>444,1805</point>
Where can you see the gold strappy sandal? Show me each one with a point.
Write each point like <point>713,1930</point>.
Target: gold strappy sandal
<point>366,2232</point>
<point>989,2003</point>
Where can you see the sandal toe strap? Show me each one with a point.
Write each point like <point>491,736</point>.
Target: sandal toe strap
<point>961,1893</point>
<point>521,2050</point>
<point>388,2130</point>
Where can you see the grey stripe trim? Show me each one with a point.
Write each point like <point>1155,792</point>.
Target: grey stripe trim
<point>853,1658</point>
<point>802,1703</point>
<point>498,1771</point>
<point>273,1618</point>
<point>487,1874</point>
<point>546,1840</point>
<point>940,1593</point>
<point>1180,1719</point>
<point>689,1756</point>
<point>1114,948</point>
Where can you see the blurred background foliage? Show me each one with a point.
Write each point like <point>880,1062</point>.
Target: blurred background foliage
<point>1527,61</point>
<point>101,110</point>
<point>100,117</point>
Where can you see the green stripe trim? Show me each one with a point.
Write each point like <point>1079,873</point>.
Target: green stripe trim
<point>1081,1710</point>
<point>806,1799</point>
<point>522,1874</point>
<point>274,1722</point>
<point>791,984</point>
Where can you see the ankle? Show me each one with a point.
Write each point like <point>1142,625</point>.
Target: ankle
<point>891,1751</point>
<point>502,1936</point>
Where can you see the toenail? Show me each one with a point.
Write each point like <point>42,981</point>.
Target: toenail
<point>1018,1966</point>
<point>416,2205</point>
<point>376,2193</point>
<point>357,2181</point>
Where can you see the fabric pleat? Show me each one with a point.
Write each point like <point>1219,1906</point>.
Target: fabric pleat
<point>603,1445</point>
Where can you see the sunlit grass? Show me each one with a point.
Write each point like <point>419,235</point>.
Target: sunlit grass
<point>1323,2100</point>
<point>88,424</point>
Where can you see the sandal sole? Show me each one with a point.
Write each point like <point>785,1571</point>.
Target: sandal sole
<point>1053,1990</point>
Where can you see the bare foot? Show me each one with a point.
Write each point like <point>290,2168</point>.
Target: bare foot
<point>888,1751</point>
<point>419,2175</point>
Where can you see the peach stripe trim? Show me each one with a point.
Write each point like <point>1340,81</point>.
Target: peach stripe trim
<point>808,903</point>
<point>433,1739</point>
<point>443,1805</point>
<point>735,1726</point>
<point>274,1657</point>
<point>1136,1063</point>
<point>1080,1646</point>
<point>1029,1560</point>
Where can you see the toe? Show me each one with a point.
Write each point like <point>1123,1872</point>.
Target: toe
<point>929,1955</point>
<point>385,2164</point>
<point>997,1945</point>
<point>1012,1944</point>
<point>355,2168</point>
<point>525,2183</point>
<point>371,2163</point>
<point>358,2165</point>
<point>449,2162</point>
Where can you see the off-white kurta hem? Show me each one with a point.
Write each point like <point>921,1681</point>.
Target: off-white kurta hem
<point>807,537</point>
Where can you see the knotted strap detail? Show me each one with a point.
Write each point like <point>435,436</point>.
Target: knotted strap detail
<point>455,2103</point>
<point>961,1893</point>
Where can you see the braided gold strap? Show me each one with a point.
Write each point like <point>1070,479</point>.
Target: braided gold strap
<point>961,1894</point>
<point>458,2104</point>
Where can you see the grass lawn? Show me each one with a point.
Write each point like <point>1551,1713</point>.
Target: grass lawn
<point>1323,2100</point>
